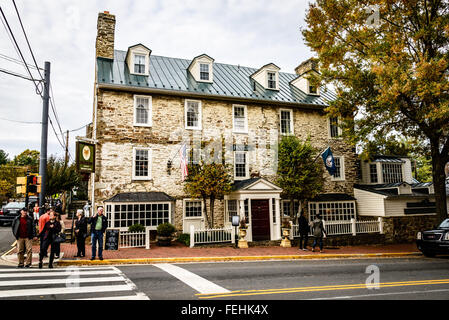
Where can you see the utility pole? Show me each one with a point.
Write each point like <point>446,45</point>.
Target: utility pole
<point>66,149</point>
<point>44,136</point>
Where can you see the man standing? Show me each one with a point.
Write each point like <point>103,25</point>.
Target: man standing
<point>303,226</point>
<point>98,225</point>
<point>24,231</point>
<point>86,209</point>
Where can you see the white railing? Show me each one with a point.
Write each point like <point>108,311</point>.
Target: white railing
<point>221,235</point>
<point>135,239</point>
<point>343,227</point>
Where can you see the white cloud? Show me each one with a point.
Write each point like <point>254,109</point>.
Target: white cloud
<point>246,32</point>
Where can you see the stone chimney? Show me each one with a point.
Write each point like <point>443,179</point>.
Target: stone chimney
<point>105,35</point>
<point>306,66</point>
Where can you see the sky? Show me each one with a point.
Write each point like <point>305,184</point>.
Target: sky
<point>249,33</point>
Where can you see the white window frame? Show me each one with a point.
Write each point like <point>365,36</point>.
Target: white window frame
<point>246,153</point>
<point>134,64</point>
<point>150,164</point>
<point>245,129</point>
<point>150,111</point>
<point>291,122</point>
<point>276,79</point>
<point>139,52</point>
<point>228,219</point>
<point>184,207</point>
<point>342,169</point>
<point>200,116</point>
<point>339,130</point>
<point>208,72</point>
<point>317,93</point>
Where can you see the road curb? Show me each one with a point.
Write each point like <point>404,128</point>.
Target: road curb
<point>236,258</point>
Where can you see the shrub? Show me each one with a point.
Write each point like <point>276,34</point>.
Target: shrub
<point>165,229</point>
<point>184,238</point>
<point>136,228</point>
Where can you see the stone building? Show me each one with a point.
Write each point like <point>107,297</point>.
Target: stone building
<point>147,107</point>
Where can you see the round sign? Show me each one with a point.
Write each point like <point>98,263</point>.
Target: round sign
<point>329,161</point>
<point>86,153</point>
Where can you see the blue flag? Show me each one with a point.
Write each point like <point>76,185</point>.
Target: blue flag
<point>329,162</point>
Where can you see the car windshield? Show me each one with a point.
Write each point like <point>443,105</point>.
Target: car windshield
<point>444,224</point>
<point>15,205</point>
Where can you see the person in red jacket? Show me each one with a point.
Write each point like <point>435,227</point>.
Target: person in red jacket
<point>51,229</point>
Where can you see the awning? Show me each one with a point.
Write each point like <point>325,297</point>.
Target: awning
<point>152,196</point>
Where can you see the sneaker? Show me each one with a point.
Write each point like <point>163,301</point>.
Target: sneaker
<point>20,266</point>
<point>28,266</point>
<point>101,258</point>
<point>50,266</point>
<point>305,249</point>
<point>313,249</point>
<point>321,251</point>
<point>93,258</point>
<point>40,265</point>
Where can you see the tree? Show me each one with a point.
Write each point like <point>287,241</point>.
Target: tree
<point>389,76</point>
<point>208,181</point>
<point>29,158</point>
<point>8,180</point>
<point>299,175</point>
<point>3,157</point>
<point>60,177</point>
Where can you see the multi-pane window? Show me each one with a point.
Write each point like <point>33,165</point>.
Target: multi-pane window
<point>240,119</point>
<point>193,209</point>
<point>392,172</point>
<point>339,174</point>
<point>286,207</point>
<point>373,173</point>
<point>142,110</point>
<point>139,63</point>
<point>240,166</point>
<point>246,205</point>
<point>271,80</point>
<point>142,163</point>
<point>232,209</point>
<point>273,209</point>
<point>146,214</point>
<point>313,89</point>
<point>193,114</point>
<point>332,211</point>
<point>286,121</point>
<point>333,127</point>
<point>204,71</point>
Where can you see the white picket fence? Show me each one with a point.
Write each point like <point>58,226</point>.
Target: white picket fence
<point>343,227</point>
<point>135,239</point>
<point>220,235</point>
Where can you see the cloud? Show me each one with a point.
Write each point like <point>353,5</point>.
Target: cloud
<point>246,32</point>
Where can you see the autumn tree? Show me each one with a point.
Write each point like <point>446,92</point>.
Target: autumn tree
<point>298,174</point>
<point>28,158</point>
<point>3,157</point>
<point>389,64</point>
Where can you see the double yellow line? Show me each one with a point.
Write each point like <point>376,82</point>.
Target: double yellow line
<point>320,288</point>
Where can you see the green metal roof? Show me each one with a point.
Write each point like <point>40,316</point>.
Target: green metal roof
<point>230,81</point>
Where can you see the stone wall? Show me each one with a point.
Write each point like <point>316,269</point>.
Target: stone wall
<point>105,35</point>
<point>117,137</point>
<point>404,229</point>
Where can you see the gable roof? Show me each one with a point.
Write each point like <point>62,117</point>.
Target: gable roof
<point>171,76</point>
<point>136,45</point>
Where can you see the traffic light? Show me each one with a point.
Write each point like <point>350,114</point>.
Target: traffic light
<point>33,184</point>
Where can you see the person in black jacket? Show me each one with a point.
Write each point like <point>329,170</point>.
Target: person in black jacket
<point>51,229</point>
<point>303,226</point>
<point>98,225</point>
<point>24,231</point>
<point>81,233</point>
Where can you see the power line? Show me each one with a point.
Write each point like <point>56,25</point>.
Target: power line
<point>16,61</point>
<point>11,73</point>
<point>17,121</point>
<point>26,38</point>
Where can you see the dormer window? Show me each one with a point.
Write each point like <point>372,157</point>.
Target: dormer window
<point>204,71</point>
<point>139,64</point>
<point>313,89</point>
<point>267,76</point>
<point>271,80</point>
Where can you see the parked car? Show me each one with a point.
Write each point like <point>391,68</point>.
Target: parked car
<point>10,211</point>
<point>434,242</point>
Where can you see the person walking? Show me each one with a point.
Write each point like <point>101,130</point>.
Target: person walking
<point>24,230</point>
<point>304,229</point>
<point>318,232</point>
<point>43,219</point>
<point>51,229</point>
<point>36,213</point>
<point>58,244</point>
<point>98,224</point>
<point>81,233</point>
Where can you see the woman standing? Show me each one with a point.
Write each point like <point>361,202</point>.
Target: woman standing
<point>81,233</point>
<point>50,230</point>
<point>58,244</point>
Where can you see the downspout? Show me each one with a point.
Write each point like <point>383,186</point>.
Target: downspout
<point>94,137</point>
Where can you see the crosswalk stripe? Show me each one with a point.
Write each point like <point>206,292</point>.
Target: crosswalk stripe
<point>56,273</point>
<point>63,290</point>
<point>136,297</point>
<point>55,270</point>
<point>193,280</point>
<point>72,281</point>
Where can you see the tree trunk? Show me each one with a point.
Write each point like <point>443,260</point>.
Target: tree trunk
<point>212,203</point>
<point>205,212</point>
<point>439,180</point>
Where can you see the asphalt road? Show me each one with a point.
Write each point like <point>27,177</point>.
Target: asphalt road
<point>6,238</point>
<point>413,278</point>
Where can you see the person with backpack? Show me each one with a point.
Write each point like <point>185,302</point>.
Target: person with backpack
<point>318,232</point>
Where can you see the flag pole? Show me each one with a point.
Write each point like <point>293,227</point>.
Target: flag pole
<point>321,153</point>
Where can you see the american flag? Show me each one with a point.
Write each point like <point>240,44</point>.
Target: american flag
<point>183,157</point>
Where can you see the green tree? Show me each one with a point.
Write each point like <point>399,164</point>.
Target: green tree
<point>8,180</point>
<point>29,158</point>
<point>208,181</point>
<point>298,174</point>
<point>389,76</point>
<point>3,157</point>
<point>60,177</point>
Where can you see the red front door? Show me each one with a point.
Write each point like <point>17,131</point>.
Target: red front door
<point>260,219</point>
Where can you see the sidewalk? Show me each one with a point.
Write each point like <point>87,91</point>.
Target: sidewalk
<point>180,253</point>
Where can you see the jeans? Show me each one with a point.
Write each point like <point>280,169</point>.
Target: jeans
<point>303,238</point>
<point>97,236</point>
<point>320,239</point>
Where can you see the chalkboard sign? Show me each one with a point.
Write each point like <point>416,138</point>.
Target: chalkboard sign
<point>112,238</point>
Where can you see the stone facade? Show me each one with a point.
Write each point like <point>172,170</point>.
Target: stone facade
<point>117,136</point>
<point>105,38</point>
<point>404,229</point>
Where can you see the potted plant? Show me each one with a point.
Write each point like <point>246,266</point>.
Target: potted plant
<point>165,234</point>
<point>285,226</point>
<point>242,228</point>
